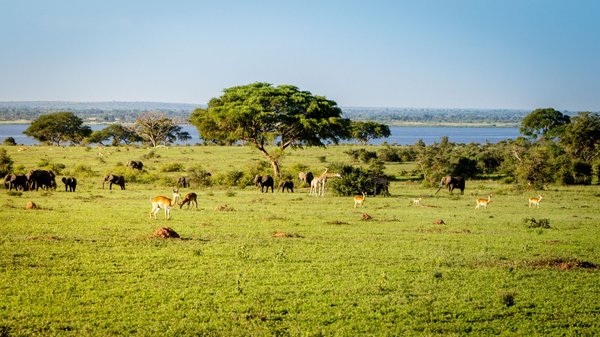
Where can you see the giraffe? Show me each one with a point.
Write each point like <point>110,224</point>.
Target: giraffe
<point>317,186</point>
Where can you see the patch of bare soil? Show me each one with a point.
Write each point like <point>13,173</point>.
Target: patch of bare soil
<point>166,233</point>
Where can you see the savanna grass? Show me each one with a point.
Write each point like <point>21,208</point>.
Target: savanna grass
<point>86,263</point>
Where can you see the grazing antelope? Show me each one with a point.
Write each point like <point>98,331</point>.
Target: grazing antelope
<point>483,202</point>
<point>360,199</point>
<point>535,201</point>
<point>189,199</point>
<point>165,203</point>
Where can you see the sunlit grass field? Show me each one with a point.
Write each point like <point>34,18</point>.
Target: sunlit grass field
<point>86,264</point>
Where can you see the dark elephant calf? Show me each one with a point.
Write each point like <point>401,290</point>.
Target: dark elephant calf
<point>70,184</point>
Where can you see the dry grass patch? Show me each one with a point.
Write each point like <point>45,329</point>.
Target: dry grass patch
<point>280,234</point>
<point>224,208</point>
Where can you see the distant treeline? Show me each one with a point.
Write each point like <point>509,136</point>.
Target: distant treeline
<point>500,117</point>
<point>95,111</point>
<point>127,112</point>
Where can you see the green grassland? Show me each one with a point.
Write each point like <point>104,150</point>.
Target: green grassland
<point>86,263</point>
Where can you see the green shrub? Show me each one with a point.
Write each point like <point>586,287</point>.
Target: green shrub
<point>9,141</point>
<point>389,154</point>
<point>507,298</point>
<point>582,173</point>
<point>535,223</point>
<point>5,163</point>
<point>232,178</point>
<point>361,154</point>
<point>84,170</point>
<point>172,167</point>
<point>150,155</point>
<point>354,181</point>
<point>199,176</point>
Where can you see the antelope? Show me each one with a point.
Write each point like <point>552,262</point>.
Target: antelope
<point>159,202</point>
<point>483,202</point>
<point>360,199</point>
<point>189,199</point>
<point>535,201</point>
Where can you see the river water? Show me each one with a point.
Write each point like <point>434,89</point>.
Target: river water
<point>401,135</point>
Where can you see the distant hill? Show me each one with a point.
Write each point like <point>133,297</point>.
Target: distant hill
<point>106,112</point>
<point>94,111</point>
<point>438,116</point>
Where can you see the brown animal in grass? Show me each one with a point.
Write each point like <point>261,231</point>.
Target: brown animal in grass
<point>189,199</point>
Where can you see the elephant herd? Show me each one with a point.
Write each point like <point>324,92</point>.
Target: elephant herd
<point>36,179</point>
<point>46,180</point>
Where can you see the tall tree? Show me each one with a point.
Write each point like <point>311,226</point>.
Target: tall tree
<point>365,131</point>
<point>582,136</point>
<point>58,127</point>
<point>264,115</point>
<point>118,133</point>
<point>157,129</point>
<point>546,123</point>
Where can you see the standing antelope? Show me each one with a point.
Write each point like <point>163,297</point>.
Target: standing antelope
<point>165,203</point>
<point>360,199</point>
<point>189,199</point>
<point>535,201</point>
<point>483,202</point>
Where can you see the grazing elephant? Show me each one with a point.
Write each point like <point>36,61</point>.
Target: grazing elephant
<point>264,181</point>
<point>381,185</point>
<point>114,179</point>
<point>18,181</point>
<point>306,178</point>
<point>136,165</point>
<point>452,183</point>
<point>182,182</point>
<point>286,184</point>
<point>70,184</point>
<point>45,179</point>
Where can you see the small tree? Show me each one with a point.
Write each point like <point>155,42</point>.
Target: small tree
<point>365,131</point>
<point>6,163</point>
<point>9,141</point>
<point>157,129</point>
<point>58,127</point>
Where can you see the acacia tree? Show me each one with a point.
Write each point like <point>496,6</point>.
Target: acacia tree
<point>118,133</point>
<point>157,128</point>
<point>264,115</point>
<point>365,131</point>
<point>58,127</point>
<point>545,123</point>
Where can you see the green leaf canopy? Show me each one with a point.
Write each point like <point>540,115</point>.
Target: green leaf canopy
<point>260,113</point>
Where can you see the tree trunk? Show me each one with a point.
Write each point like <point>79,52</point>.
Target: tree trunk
<point>274,162</point>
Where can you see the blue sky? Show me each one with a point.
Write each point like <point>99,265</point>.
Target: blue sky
<point>521,54</point>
